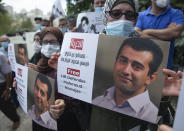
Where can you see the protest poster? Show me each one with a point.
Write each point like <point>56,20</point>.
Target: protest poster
<point>21,54</point>
<point>11,56</point>
<point>77,60</point>
<point>109,77</point>
<point>90,22</point>
<point>36,92</point>
<point>16,39</point>
<point>21,79</point>
<point>40,95</point>
<point>178,122</point>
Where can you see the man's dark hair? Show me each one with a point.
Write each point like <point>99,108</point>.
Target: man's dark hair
<point>46,81</point>
<point>71,20</point>
<point>62,19</point>
<point>38,18</point>
<point>24,47</point>
<point>86,19</point>
<point>143,44</point>
<point>46,22</point>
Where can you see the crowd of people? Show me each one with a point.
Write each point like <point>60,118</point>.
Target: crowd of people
<point>160,21</point>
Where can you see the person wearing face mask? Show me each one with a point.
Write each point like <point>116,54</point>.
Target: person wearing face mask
<point>4,43</point>
<point>45,23</point>
<point>161,21</point>
<point>38,21</point>
<point>63,25</point>
<point>98,5</point>
<point>37,48</point>
<point>120,17</point>
<point>71,24</point>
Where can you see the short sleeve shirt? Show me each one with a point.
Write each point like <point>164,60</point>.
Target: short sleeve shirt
<point>4,67</point>
<point>147,20</point>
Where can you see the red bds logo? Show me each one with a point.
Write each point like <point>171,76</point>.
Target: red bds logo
<point>76,44</point>
<point>19,72</point>
<point>73,72</point>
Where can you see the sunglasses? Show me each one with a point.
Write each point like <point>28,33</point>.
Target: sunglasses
<point>116,14</point>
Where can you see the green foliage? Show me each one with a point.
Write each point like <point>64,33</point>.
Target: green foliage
<point>2,10</point>
<point>27,25</point>
<point>144,4</point>
<point>75,7</point>
<point>5,22</point>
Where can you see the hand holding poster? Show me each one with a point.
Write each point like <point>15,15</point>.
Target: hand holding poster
<point>40,96</point>
<point>35,90</point>
<point>123,75</point>
<point>35,95</point>
<point>90,22</point>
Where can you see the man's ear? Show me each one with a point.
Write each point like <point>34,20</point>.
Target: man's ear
<point>49,102</point>
<point>151,78</point>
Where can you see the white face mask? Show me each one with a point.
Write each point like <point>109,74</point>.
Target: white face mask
<point>48,50</point>
<point>120,28</point>
<point>37,47</point>
<point>162,3</point>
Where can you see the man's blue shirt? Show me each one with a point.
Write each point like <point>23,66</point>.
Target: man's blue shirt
<point>147,20</point>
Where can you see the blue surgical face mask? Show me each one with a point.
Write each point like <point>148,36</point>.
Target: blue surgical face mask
<point>63,30</point>
<point>37,47</point>
<point>24,36</point>
<point>5,45</point>
<point>120,28</point>
<point>162,3</point>
<point>42,27</point>
<point>48,50</point>
<point>38,26</point>
<point>98,9</point>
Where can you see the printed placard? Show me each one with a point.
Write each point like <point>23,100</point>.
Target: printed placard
<point>120,74</point>
<point>76,65</point>
<point>21,78</point>
<point>40,95</point>
<point>36,92</point>
<point>90,22</point>
<point>11,56</point>
<point>21,54</point>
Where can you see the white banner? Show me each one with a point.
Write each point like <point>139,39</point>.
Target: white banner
<point>76,65</point>
<point>21,78</point>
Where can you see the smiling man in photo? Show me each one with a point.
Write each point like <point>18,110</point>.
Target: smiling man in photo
<point>135,68</point>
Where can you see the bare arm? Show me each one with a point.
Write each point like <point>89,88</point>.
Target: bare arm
<point>144,35</point>
<point>173,31</point>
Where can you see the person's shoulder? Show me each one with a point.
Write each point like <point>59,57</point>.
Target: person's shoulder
<point>102,98</point>
<point>2,55</point>
<point>144,13</point>
<point>175,11</point>
<point>98,100</point>
<point>149,112</point>
<point>1,48</point>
